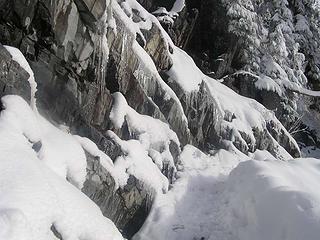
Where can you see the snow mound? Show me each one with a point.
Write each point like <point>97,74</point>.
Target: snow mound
<point>228,196</point>
<point>275,200</point>
<point>34,193</point>
<point>57,149</point>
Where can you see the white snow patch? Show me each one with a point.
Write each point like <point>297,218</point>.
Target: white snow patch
<point>185,71</point>
<point>136,162</point>
<point>149,130</point>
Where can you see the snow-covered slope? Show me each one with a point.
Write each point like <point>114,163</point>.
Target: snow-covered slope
<point>38,163</point>
<point>35,195</point>
<point>145,130</point>
<point>238,120</point>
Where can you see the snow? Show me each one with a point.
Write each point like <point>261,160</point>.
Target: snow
<point>124,12</point>
<point>59,150</point>
<point>267,83</point>
<point>19,58</point>
<point>93,150</point>
<point>260,190</point>
<point>293,81</point>
<point>146,73</point>
<point>231,197</point>
<point>178,6</point>
<point>33,196</point>
<point>119,110</point>
<point>247,113</point>
<point>154,138</point>
<point>136,162</point>
<point>62,153</point>
<point>187,211</point>
<point>222,196</point>
<point>184,71</point>
<point>40,187</point>
<point>138,124</point>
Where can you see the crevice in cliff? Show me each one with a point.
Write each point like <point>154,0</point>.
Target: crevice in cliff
<point>111,76</point>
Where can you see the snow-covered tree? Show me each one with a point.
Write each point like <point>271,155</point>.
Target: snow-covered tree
<point>243,24</point>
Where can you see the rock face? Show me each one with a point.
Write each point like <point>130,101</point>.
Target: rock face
<point>77,74</point>
<point>127,207</point>
<point>60,40</point>
<point>226,40</point>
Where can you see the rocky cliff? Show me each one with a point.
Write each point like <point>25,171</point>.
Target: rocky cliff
<point>85,53</point>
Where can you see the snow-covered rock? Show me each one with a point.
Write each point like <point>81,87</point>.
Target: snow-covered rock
<point>108,72</point>
<point>35,194</point>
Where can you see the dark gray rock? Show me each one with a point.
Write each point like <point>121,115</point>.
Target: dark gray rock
<point>13,78</point>
<point>127,207</point>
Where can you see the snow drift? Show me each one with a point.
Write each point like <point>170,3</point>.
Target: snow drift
<point>259,200</point>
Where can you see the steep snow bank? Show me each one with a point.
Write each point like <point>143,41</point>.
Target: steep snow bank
<point>57,149</point>
<point>33,197</point>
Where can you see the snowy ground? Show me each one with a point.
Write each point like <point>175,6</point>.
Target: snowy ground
<point>260,199</point>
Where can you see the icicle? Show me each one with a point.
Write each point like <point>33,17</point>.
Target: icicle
<point>102,48</point>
